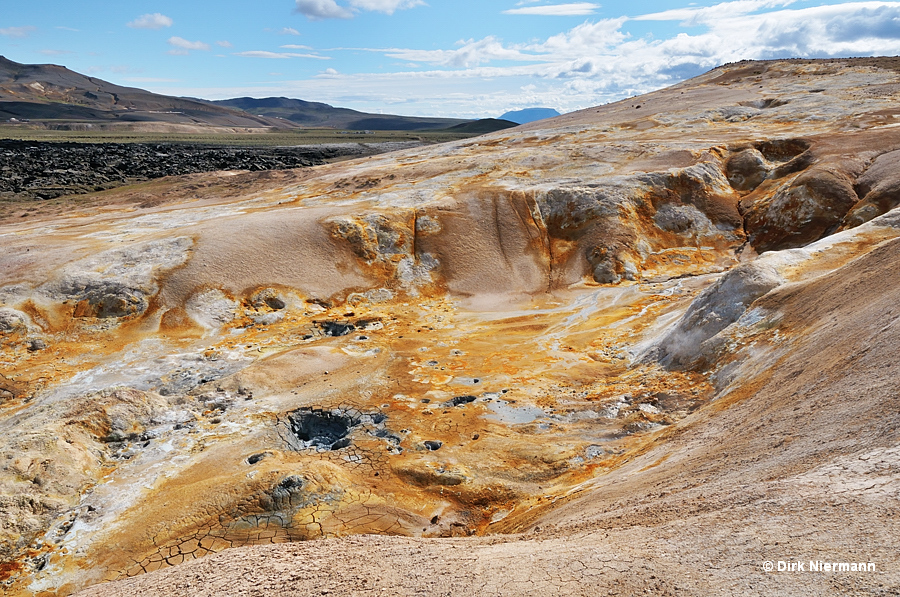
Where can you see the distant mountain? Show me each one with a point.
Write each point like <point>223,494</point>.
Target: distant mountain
<point>480,127</point>
<point>314,114</point>
<point>62,98</point>
<point>51,92</point>
<point>529,115</point>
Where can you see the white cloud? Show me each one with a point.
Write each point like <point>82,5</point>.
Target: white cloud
<point>224,43</point>
<point>278,55</point>
<point>557,10</point>
<point>585,39</point>
<point>68,29</point>
<point>695,16</point>
<point>17,31</point>
<point>386,6</point>
<point>295,47</point>
<point>151,21</point>
<point>329,9</point>
<point>182,47</point>
<point>322,9</point>
<point>288,31</point>
<point>471,53</point>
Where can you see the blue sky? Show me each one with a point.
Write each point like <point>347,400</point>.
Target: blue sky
<point>466,58</point>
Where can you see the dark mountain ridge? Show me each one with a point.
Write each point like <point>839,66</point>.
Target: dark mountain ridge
<point>57,96</point>
<point>53,92</point>
<point>316,114</point>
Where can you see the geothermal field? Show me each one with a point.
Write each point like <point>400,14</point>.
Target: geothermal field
<point>645,348</point>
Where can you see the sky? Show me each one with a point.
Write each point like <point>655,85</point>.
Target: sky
<point>452,58</point>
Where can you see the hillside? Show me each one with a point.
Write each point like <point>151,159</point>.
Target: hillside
<point>482,126</point>
<point>48,92</point>
<point>61,98</point>
<point>647,348</point>
<point>314,114</point>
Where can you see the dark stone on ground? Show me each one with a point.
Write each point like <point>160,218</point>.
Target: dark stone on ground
<point>334,328</point>
<point>459,400</point>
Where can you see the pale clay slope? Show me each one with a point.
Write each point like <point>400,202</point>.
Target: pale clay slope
<point>683,409</point>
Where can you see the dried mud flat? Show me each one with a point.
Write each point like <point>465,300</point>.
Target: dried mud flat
<point>641,349</point>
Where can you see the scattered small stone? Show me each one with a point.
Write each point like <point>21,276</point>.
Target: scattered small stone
<point>433,445</point>
<point>257,457</point>
<point>36,344</point>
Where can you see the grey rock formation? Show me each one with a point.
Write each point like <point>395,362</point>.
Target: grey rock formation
<point>803,210</point>
<point>879,189</point>
<point>12,320</point>
<point>120,282</point>
<point>687,344</point>
<point>747,169</point>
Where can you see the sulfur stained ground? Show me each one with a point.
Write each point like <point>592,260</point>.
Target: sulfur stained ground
<point>584,411</point>
<point>539,410</point>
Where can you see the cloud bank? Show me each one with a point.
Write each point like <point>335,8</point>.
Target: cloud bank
<point>598,61</point>
<point>278,55</point>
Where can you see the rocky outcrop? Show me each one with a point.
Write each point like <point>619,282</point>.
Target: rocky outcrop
<point>689,343</point>
<point>878,189</point>
<point>120,282</point>
<point>621,225</point>
<point>58,452</point>
<point>802,210</point>
<point>12,321</point>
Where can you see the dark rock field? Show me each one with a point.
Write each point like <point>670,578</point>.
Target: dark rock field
<point>45,170</point>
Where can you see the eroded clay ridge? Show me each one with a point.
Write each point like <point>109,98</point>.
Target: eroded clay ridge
<point>545,325</point>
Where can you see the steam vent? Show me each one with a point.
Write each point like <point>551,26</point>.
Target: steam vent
<point>643,348</point>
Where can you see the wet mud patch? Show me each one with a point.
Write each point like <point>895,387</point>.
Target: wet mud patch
<point>322,429</point>
<point>342,328</point>
<point>335,328</point>
<point>346,435</point>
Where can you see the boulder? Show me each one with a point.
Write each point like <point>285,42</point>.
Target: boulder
<point>747,169</point>
<point>801,211</point>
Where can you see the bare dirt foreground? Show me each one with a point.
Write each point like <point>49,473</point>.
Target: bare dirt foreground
<point>646,348</point>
